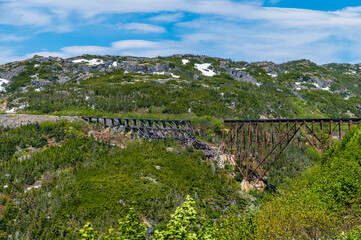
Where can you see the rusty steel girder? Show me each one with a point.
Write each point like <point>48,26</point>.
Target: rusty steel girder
<point>254,145</point>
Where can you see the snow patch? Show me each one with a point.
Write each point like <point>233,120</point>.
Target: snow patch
<point>11,110</point>
<point>3,84</point>
<point>351,72</point>
<point>240,69</point>
<point>92,62</point>
<point>14,109</point>
<point>204,69</point>
<point>185,61</point>
<point>272,74</point>
<point>158,73</point>
<point>316,85</point>
<point>175,76</point>
<point>326,89</point>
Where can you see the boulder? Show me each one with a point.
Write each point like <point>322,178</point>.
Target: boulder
<point>246,186</point>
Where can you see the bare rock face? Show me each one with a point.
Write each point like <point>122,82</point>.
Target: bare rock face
<point>40,82</point>
<point>241,76</point>
<point>322,83</point>
<point>12,73</point>
<point>158,68</point>
<point>246,186</point>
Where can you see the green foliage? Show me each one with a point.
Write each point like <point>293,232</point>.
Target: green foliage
<point>23,79</point>
<point>354,234</point>
<point>130,229</point>
<point>183,223</point>
<point>293,162</point>
<point>88,232</point>
<point>83,180</point>
<point>234,226</point>
<point>219,96</point>
<point>323,201</point>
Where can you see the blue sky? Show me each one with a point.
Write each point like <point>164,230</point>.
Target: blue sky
<point>250,30</point>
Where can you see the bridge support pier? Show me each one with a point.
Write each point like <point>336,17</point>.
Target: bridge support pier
<point>147,128</point>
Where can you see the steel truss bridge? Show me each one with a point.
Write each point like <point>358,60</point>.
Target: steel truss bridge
<point>146,128</point>
<point>254,145</point>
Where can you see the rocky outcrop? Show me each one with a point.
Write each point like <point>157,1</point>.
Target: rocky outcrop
<point>321,83</point>
<point>158,68</point>
<point>17,120</point>
<point>270,67</point>
<point>40,82</point>
<point>246,186</point>
<point>12,73</point>
<point>239,75</point>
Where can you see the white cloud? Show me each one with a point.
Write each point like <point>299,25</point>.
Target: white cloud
<point>23,16</point>
<point>11,38</point>
<point>142,28</point>
<point>125,47</point>
<point>8,55</point>
<point>133,44</point>
<point>239,30</point>
<point>79,50</point>
<point>110,6</point>
<point>175,17</point>
<point>28,11</point>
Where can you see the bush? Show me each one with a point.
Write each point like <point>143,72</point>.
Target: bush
<point>323,201</point>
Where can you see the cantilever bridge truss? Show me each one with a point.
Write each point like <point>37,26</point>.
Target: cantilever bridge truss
<point>254,145</point>
<point>146,128</point>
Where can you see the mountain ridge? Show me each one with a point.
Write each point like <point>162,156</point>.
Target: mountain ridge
<point>180,85</point>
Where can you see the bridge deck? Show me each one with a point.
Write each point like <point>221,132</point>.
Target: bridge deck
<point>307,120</point>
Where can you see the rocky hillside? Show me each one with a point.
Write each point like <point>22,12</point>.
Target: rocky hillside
<point>184,84</point>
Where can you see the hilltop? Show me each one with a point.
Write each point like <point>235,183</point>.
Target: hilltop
<point>181,84</point>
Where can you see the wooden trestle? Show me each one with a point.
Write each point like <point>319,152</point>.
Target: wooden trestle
<point>254,145</point>
<point>146,128</point>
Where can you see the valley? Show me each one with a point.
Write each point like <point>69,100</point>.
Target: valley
<point>64,177</point>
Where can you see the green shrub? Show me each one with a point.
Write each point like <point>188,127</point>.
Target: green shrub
<point>321,202</point>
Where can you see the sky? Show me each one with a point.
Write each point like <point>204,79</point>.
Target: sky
<point>322,31</point>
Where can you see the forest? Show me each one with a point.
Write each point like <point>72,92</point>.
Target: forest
<point>63,183</point>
